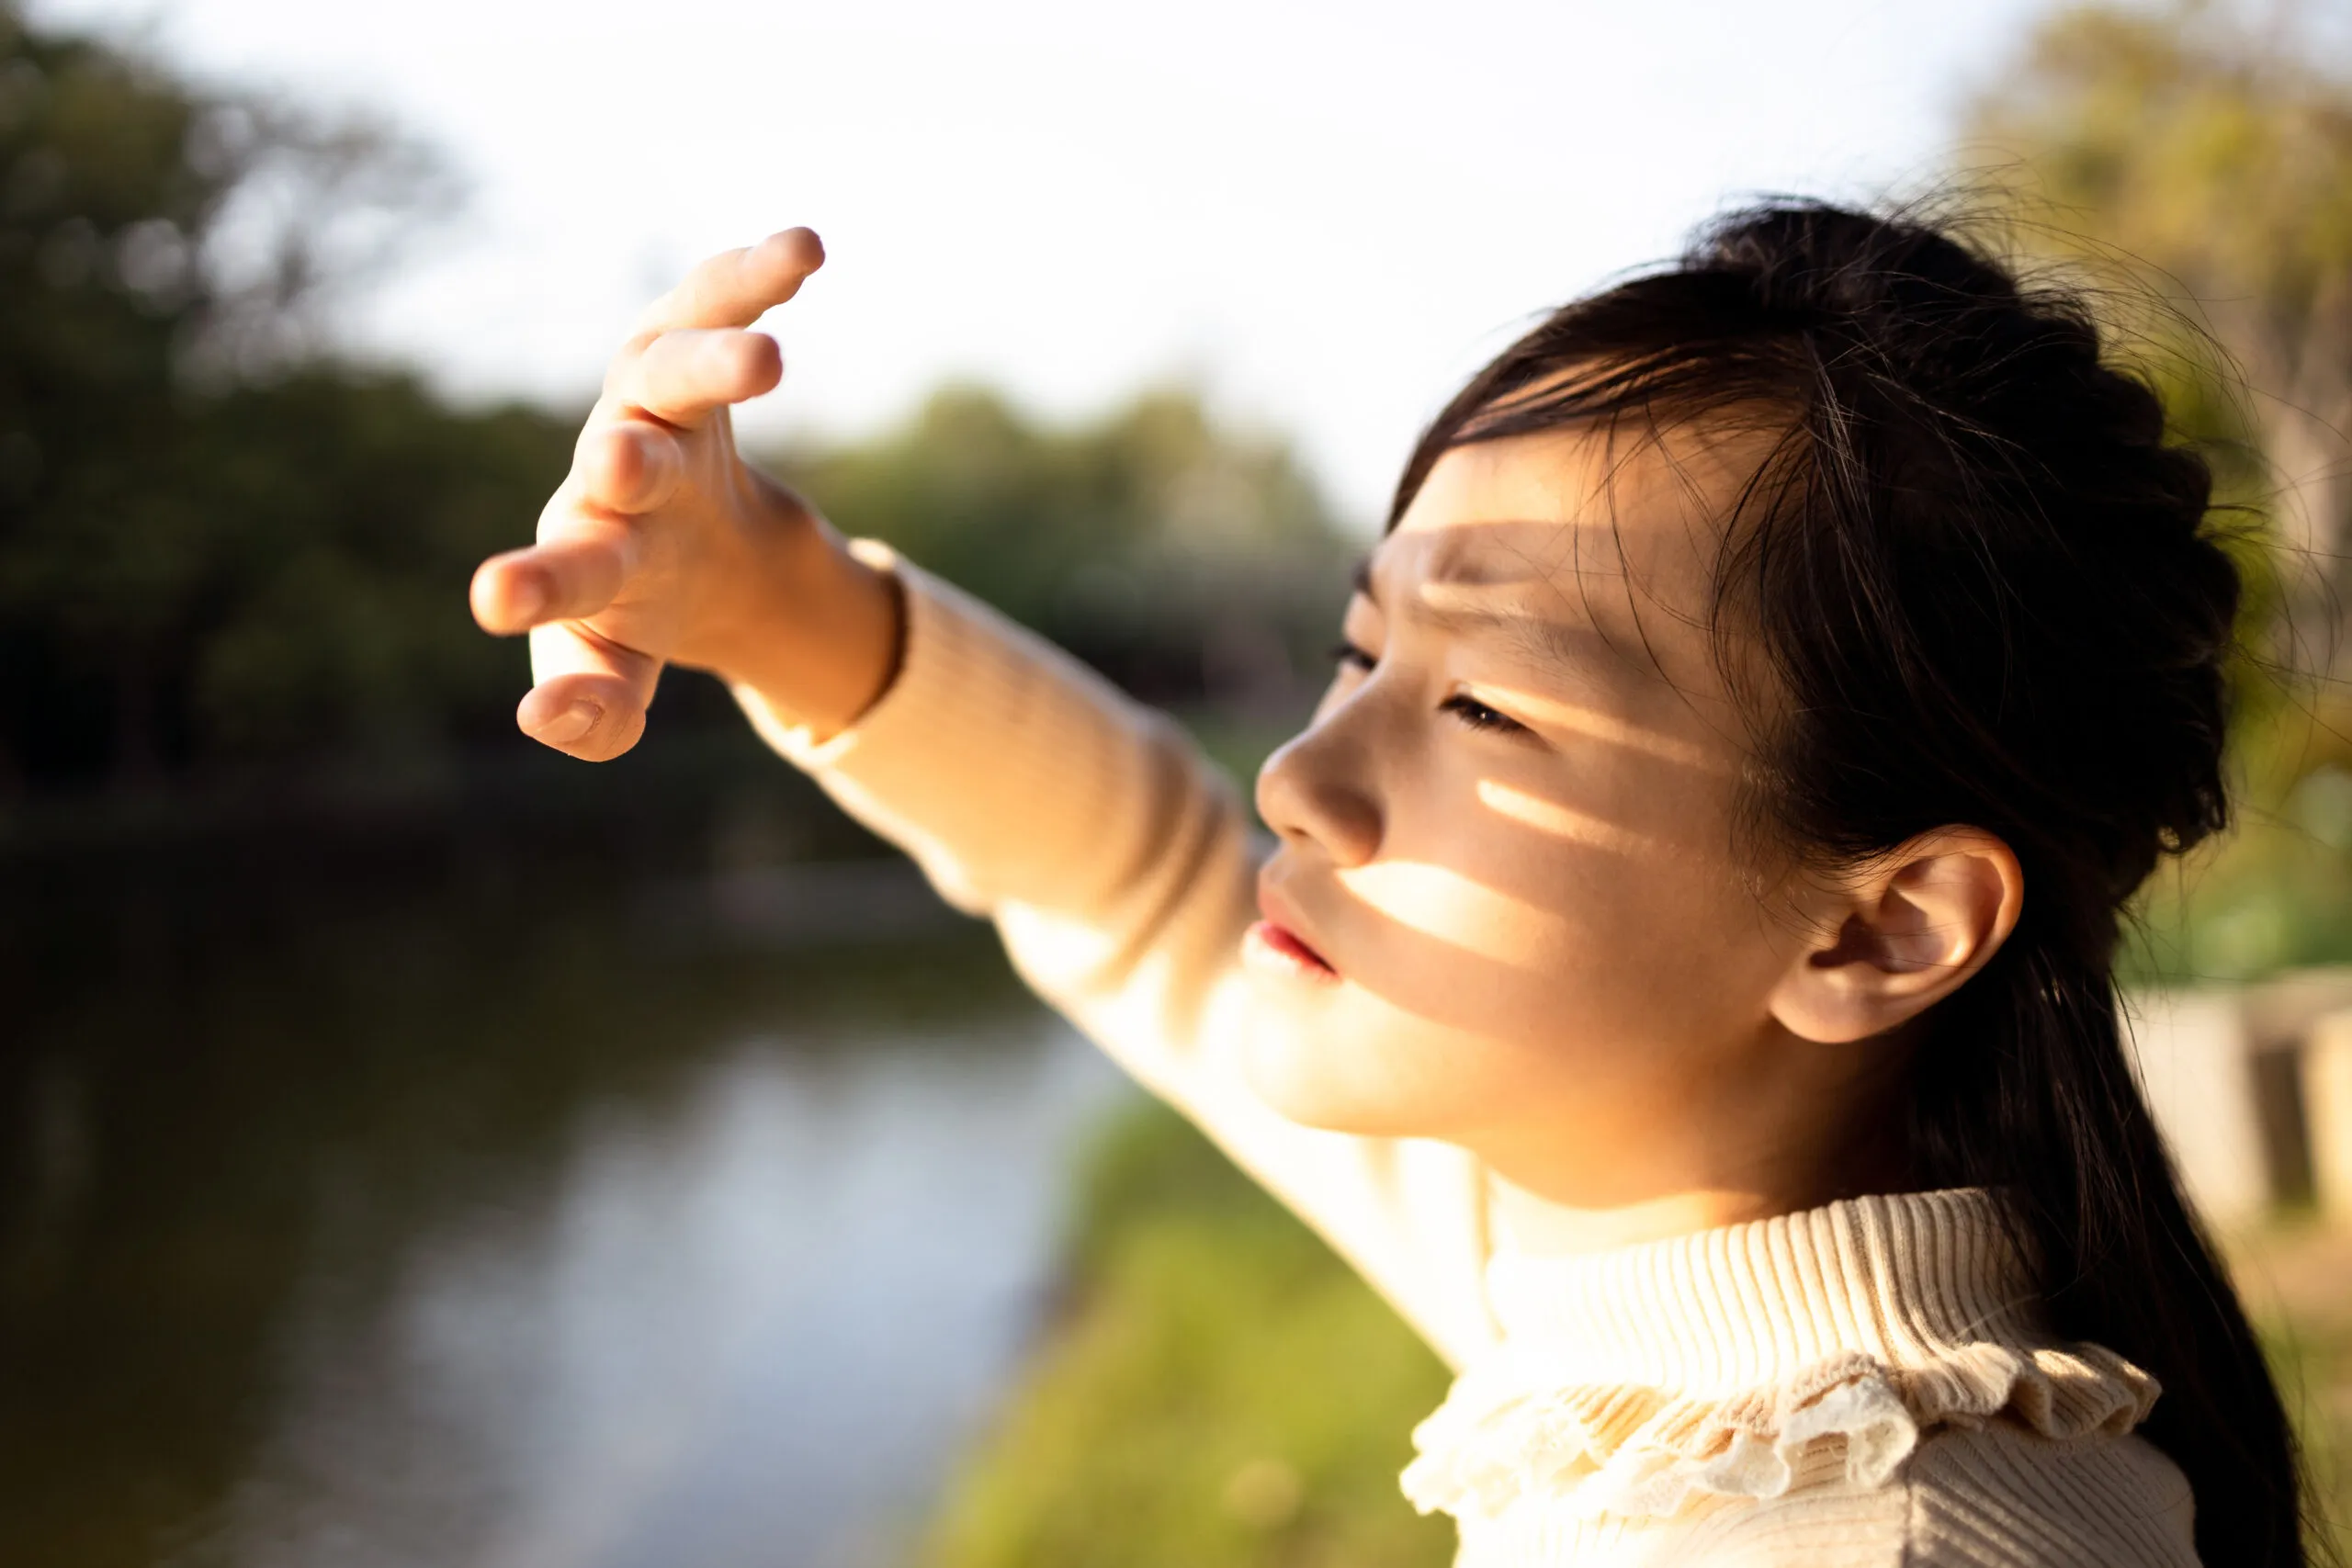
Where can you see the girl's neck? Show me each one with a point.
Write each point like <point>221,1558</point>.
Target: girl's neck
<point>1536,1226</point>
<point>1728,1178</point>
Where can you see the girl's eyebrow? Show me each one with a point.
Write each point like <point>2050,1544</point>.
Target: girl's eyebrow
<point>1452,609</point>
<point>1448,570</point>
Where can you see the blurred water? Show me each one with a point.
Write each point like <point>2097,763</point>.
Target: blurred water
<point>463,1236</point>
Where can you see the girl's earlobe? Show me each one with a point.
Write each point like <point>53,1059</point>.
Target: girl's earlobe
<point>1901,935</point>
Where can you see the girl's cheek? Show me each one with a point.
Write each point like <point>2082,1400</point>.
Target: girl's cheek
<point>1560,825</point>
<point>1460,912</point>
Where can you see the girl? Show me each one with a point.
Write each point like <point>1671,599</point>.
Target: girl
<point>1682,979</point>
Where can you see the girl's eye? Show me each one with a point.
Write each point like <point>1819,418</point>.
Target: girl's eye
<point>1469,710</point>
<point>1477,715</point>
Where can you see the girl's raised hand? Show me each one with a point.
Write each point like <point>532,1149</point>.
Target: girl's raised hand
<point>661,545</point>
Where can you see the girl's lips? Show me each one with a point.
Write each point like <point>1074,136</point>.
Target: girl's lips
<point>1277,947</point>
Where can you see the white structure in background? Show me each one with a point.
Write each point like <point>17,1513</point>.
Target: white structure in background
<point>2327,1111</point>
<point>2251,1086</point>
<point>2194,1064</point>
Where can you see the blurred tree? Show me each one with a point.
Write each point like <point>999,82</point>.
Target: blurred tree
<point>223,546</point>
<point>2212,140</point>
<point>1182,559</point>
<point>173,457</point>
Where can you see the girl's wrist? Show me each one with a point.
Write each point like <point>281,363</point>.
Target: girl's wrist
<point>817,634</point>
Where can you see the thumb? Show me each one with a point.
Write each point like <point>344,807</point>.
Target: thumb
<point>591,693</point>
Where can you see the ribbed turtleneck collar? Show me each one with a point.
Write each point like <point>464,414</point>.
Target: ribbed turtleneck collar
<point>1905,1279</point>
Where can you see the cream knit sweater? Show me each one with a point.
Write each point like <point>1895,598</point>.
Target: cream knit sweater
<point>1860,1384</point>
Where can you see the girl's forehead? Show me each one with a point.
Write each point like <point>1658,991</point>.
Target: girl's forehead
<point>1559,511</point>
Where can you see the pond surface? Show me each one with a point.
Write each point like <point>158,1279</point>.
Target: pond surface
<point>675,1231</point>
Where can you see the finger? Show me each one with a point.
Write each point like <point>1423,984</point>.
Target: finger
<point>734,288</point>
<point>591,695</point>
<point>682,375</point>
<point>626,466</point>
<point>593,717</point>
<point>571,575</point>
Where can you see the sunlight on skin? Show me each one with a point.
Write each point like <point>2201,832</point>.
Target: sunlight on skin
<point>1438,901</point>
<point>1509,831</point>
<point>1561,822</point>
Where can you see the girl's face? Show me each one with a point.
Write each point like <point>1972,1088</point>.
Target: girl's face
<point>1508,832</point>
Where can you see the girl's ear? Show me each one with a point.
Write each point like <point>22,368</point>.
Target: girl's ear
<point>1891,939</point>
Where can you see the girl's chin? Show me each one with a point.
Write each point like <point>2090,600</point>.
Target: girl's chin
<point>1295,1076</point>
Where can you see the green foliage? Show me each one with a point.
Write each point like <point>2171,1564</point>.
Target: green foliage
<point>1181,559</point>
<point>2192,163</point>
<point>348,626</point>
<point>223,552</point>
<point>2197,137</point>
<point>213,546</point>
<point>2277,893</point>
<point>285,564</point>
<point>1221,1390</point>
<point>2164,176</point>
<point>2202,154</point>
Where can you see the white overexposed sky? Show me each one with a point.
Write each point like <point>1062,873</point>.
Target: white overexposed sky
<point>1325,214</point>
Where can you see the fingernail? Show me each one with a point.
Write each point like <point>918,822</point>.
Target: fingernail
<point>571,724</point>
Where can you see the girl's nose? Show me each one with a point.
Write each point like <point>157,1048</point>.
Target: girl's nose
<point>1312,791</point>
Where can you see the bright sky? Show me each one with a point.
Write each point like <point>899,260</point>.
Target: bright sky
<point>1325,214</point>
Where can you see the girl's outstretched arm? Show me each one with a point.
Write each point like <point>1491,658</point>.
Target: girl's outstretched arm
<point>1115,861</point>
<point>1118,866</point>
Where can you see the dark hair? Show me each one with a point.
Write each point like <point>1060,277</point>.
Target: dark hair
<point>1991,594</point>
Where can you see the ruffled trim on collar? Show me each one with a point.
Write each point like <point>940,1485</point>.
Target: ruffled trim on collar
<point>1643,1453</point>
<point>1634,1381</point>
<point>1639,1453</point>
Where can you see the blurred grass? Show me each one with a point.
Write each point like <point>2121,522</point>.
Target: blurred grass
<point>2296,1276</point>
<point>1217,1390</point>
<point>2313,1364</point>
